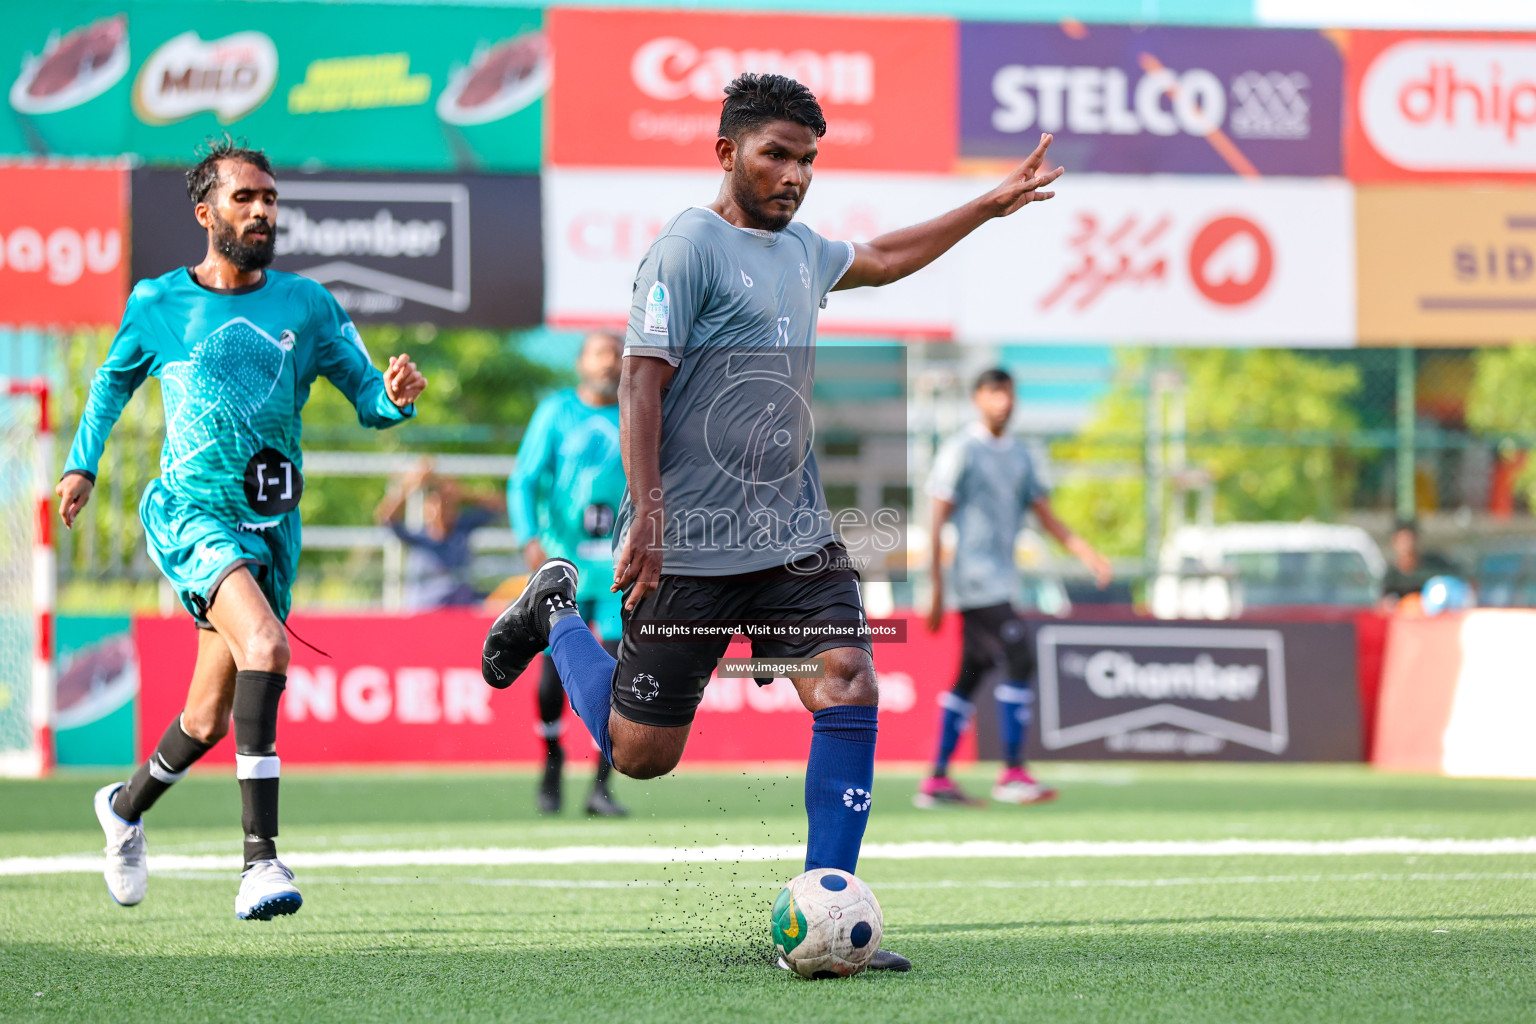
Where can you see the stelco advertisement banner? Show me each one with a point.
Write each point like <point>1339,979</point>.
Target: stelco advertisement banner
<point>643,88</point>
<point>350,85</point>
<point>1153,100</point>
<point>408,690</point>
<point>402,248</point>
<point>1446,267</point>
<point>63,245</point>
<point>1191,260</point>
<point>1441,106</point>
<point>1239,692</point>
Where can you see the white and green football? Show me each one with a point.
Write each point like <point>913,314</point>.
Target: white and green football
<point>826,924</point>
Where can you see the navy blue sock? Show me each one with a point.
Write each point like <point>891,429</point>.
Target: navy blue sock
<point>1015,709</point>
<point>839,778</point>
<point>586,672</point>
<point>952,722</point>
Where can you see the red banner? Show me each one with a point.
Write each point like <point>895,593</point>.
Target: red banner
<point>1443,106</point>
<point>643,88</point>
<point>63,245</point>
<point>402,690</point>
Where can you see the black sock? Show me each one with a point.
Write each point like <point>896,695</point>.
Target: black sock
<point>552,749</point>
<point>603,771</point>
<point>175,753</point>
<point>256,762</point>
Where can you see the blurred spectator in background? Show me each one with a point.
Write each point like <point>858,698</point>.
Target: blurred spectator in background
<point>1410,568</point>
<point>438,558</point>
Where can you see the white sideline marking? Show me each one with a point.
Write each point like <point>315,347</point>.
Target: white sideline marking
<point>979,849</point>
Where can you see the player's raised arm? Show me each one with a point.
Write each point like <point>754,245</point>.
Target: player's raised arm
<point>381,399</point>
<point>893,256</point>
<point>126,367</point>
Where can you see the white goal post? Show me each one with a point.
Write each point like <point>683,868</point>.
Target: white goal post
<point>28,578</point>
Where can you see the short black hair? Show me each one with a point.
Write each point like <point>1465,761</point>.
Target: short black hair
<point>752,101</point>
<point>203,177</point>
<point>1406,523</point>
<point>993,378</point>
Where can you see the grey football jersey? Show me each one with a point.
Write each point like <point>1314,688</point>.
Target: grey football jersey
<point>735,311</point>
<point>992,481</point>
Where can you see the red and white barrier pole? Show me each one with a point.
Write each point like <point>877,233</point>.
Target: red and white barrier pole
<point>44,575</point>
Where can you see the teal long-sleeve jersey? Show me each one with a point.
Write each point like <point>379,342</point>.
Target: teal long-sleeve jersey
<point>235,370</point>
<point>567,485</point>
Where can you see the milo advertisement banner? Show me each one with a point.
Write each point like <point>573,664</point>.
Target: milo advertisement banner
<point>315,85</point>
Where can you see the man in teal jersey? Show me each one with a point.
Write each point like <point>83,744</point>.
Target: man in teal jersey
<point>562,500</point>
<point>237,348</point>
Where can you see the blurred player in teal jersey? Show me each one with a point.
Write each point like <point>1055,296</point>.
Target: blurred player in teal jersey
<point>985,481</point>
<point>562,500</point>
<point>237,348</point>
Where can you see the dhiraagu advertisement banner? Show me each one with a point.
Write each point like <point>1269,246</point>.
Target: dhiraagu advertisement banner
<point>360,86</point>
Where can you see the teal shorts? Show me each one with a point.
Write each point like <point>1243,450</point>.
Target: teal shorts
<point>197,551</point>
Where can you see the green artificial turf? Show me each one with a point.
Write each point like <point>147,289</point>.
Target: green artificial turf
<point>1398,938</point>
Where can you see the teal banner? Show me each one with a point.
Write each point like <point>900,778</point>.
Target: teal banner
<point>359,86</point>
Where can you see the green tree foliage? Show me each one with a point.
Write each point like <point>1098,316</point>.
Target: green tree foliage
<point>1499,403</point>
<point>1268,425</point>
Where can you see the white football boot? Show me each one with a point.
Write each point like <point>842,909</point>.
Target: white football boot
<point>267,891</point>
<point>127,871</point>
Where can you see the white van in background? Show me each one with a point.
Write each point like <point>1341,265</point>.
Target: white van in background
<point>1218,572</point>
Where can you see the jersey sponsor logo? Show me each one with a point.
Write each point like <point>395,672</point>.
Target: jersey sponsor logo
<point>658,309</point>
<point>745,279</point>
<point>273,484</point>
<point>286,339</point>
<point>805,275</point>
<point>231,77</point>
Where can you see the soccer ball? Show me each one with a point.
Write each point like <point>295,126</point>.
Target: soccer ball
<point>826,924</point>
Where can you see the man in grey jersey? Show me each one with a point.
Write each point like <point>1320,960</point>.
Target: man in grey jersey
<point>985,481</point>
<point>724,521</point>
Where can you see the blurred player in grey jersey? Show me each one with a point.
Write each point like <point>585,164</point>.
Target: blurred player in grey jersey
<point>985,481</point>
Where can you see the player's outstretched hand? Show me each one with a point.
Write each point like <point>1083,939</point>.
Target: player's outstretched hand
<point>638,565</point>
<point>73,491</point>
<point>1023,186</point>
<point>402,381</point>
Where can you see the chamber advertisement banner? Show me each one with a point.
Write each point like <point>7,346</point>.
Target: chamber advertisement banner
<point>392,248</point>
<point>315,85</point>
<point>63,245</point>
<point>1153,100</point>
<point>643,88</point>
<point>1445,267</point>
<point>1213,691</point>
<point>1441,106</point>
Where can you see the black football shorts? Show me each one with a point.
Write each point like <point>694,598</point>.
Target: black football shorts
<point>660,682</point>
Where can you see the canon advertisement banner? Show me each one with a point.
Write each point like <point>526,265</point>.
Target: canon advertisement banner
<point>643,88</point>
<point>1213,691</point>
<point>392,248</point>
<point>1441,106</point>
<point>63,246</point>
<point>1165,260</point>
<point>402,690</point>
<point>599,224</point>
<point>1153,100</point>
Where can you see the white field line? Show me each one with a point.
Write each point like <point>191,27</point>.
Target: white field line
<point>939,883</point>
<point>978,849</point>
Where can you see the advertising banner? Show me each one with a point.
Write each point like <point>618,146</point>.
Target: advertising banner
<point>643,88</point>
<point>1153,100</point>
<point>348,85</point>
<point>1445,267</point>
<point>402,248</point>
<point>399,690</point>
<point>98,684</point>
<point>63,245</point>
<point>1166,260</point>
<point>1440,106</point>
<point>599,224</point>
<point>1213,691</point>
